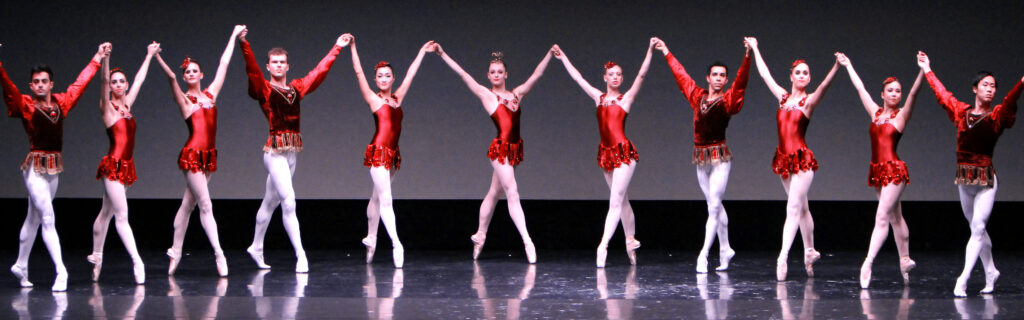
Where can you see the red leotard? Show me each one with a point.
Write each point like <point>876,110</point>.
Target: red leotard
<point>615,148</point>
<point>886,167</point>
<point>383,149</point>
<point>118,164</point>
<point>976,135</point>
<point>792,154</point>
<point>507,147</point>
<point>200,152</point>
<point>44,124</point>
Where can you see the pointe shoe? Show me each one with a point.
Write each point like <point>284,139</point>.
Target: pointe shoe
<point>781,268</point>
<point>96,258</point>
<point>702,264</point>
<point>865,274</point>
<point>811,256</point>
<point>398,254</point>
<point>631,246</point>
<point>139,270</point>
<point>602,256</point>
<point>175,259</point>
<point>960,290</point>
<point>478,243</point>
<point>22,274</point>
<point>222,264</point>
<point>723,259</point>
<point>302,265</point>
<point>60,284</point>
<point>371,246</point>
<point>990,281</point>
<point>257,256</point>
<point>531,253</point>
<point>906,264</point>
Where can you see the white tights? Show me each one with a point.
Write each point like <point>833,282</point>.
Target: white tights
<point>41,190</point>
<point>380,207</point>
<point>890,212</point>
<point>280,168</point>
<point>115,206</point>
<point>798,214</point>
<point>196,193</point>
<point>618,203</point>
<point>712,180</point>
<point>503,181</point>
<point>977,202</point>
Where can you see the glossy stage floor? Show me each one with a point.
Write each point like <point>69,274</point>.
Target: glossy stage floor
<point>562,285</point>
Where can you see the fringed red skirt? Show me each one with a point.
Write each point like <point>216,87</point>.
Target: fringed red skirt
<point>505,152</point>
<point>198,160</point>
<point>711,154</point>
<point>284,142</point>
<point>984,176</point>
<point>785,164</point>
<point>609,158</point>
<point>881,174</point>
<point>48,162</point>
<point>381,156</point>
<point>117,170</point>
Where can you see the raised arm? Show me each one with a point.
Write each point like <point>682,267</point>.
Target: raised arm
<point>105,84</point>
<point>12,97</point>
<point>524,88</point>
<point>865,98</point>
<point>592,92</point>
<point>411,73</point>
<point>364,86</point>
<point>908,107</point>
<point>737,92</point>
<point>75,90</point>
<point>762,69</point>
<point>816,96</point>
<point>946,99</point>
<point>225,59</point>
<point>179,97</point>
<point>686,84</point>
<point>630,95</point>
<point>257,84</point>
<point>315,77</point>
<point>140,76</point>
<point>481,92</point>
<point>1006,112</point>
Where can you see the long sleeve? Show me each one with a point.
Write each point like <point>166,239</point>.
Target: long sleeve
<point>12,97</point>
<point>739,88</point>
<point>257,84</point>
<point>316,76</point>
<point>946,99</point>
<point>686,84</point>
<point>1006,113</point>
<point>70,97</point>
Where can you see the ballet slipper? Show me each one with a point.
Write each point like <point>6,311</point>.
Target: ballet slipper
<point>906,264</point>
<point>865,274</point>
<point>371,247</point>
<point>96,258</point>
<point>257,256</point>
<point>781,268</point>
<point>531,252</point>
<point>723,259</point>
<point>222,264</point>
<point>478,243</point>
<point>398,255</point>
<point>302,265</point>
<point>139,270</point>
<point>175,259</point>
<point>702,264</point>
<point>60,284</point>
<point>22,274</point>
<point>990,281</point>
<point>602,256</point>
<point>631,246</point>
<point>960,289</point>
<point>811,256</point>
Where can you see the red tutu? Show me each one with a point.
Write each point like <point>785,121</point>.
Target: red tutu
<point>506,152</point>
<point>975,175</point>
<point>198,160</point>
<point>284,142</point>
<point>711,154</point>
<point>48,162</point>
<point>881,174</point>
<point>609,158</point>
<point>786,164</point>
<point>381,156</point>
<point>117,170</point>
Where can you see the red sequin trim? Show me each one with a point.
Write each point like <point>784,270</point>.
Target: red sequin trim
<point>506,152</point>
<point>283,142</point>
<point>786,164</point>
<point>975,175</point>
<point>47,162</point>
<point>712,154</point>
<point>894,172</point>
<point>198,160</point>
<point>381,156</point>
<point>609,158</point>
<point>117,170</point>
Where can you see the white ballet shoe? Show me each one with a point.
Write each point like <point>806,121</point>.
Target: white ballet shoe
<point>702,264</point>
<point>906,264</point>
<point>990,281</point>
<point>222,264</point>
<point>60,284</point>
<point>478,243</point>
<point>602,256</point>
<point>723,259</point>
<point>139,270</point>
<point>371,247</point>
<point>810,257</point>
<point>531,253</point>
<point>175,259</point>
<point>631,246</point>
<point>22,274</point>
<point>781,268</point>
<point>96,258</point>
<point>398,254</point>
<point>865,274</point>
<point>257,256</point>
<point>302,265</point>
<point>960,290</point>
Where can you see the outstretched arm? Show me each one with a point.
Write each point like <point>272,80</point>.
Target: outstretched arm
<point>686,84</point>
<point>105,84</point>
<point>908,106</point>
<point>814,98</point>
<point>225,59</point>
<point>140,76</point>
<point>315,77</point>
<point>411,73</point>
<point>946,99</point>
<point>737,93</point>
<point>75,90</point>
<point>865,98</point>
<point>762,69</point>
<point>481,92</point>
<point>592,92</point>
<point>257,84</point>
<point>364,86</point>
<point>179,97</point>
<point>631,94</point>
<point>524,88</point>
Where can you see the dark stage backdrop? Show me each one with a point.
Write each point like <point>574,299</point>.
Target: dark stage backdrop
<point>446,131</point>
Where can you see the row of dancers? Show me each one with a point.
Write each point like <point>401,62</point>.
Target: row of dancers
<point>979,126</point>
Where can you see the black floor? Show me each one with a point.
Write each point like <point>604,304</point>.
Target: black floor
<point>562,285</point>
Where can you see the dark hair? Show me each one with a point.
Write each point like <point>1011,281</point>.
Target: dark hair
<point>49,73</point>
<point>189,60</point>
<point>981,75</point>
<point>498,57</point>
<point>382,64</point>
<point>277,51</point>
<point>118,70</point>
<point>718,64</point>
<point>797,62</point>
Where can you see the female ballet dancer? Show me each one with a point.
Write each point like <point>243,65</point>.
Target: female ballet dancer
<point>712,109</point>
<point>382,154</point>
<point>42,114</point>
<point>793,161</point>
<point>978,127</point>
<point>616,154</point>
<point>198,159</point>
<point>887,173</point>
<point>117,169</point>
<point>506,150</point>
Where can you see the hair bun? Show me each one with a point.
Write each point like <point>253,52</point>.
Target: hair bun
<point>610,64</point>
<point>382,64</point>
<point>497,56</point>
<point>889,80</point>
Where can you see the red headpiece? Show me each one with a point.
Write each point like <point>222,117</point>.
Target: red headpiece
<point>115,70</point>
<point>610,64</point>
<point>381,65</point>
<point>184,64</point>
<point>797,62</point>
<point>889,80</point>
